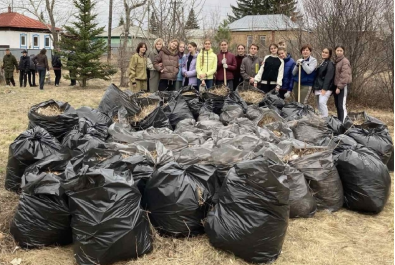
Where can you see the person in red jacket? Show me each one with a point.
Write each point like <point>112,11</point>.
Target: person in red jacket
<point>227,61</point>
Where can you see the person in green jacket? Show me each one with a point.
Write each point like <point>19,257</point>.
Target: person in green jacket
<point>138,69</point>
<point>9,63</point>
<point>206,65</point>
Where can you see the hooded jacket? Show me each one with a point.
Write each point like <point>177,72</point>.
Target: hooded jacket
<point>169,62</point>
<point>325,74</point>
<point>250,66</point>
<point>24,63</point>
<point>308,72</point>
<point>289,65</point>
<point>232,66</point>
<point>9,62</point>
<point>191,73</point>
<point>137,68</point>
<point>343,75</point>
<point>206,64</point>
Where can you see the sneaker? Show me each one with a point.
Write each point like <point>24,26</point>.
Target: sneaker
<point>7,86</point>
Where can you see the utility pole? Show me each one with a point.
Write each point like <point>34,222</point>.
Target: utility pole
<point>109,32</point>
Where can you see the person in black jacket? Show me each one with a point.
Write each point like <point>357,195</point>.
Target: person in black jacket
<point>24,68</point>
<point>323,82</point>
<point>32,71</point>
<point>57,66</point>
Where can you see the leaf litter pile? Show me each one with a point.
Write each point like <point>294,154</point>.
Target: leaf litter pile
<point>266,120</point>
<point>189,93</point>
<point>251,96</point>
<point>145,111</point>
<point>219,91</point>
<point>50,110</point>
<point>299,153</point>
<point>144,95</point>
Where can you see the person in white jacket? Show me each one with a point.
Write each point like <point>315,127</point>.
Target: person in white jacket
<point>270,75</point>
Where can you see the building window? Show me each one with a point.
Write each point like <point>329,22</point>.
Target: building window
<point>249,40</point>
<point>36,44</point>
<point>262,40</point>
<point>47,41</point>
<point>23,41</point>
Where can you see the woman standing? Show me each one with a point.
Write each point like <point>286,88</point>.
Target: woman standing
<point>271,73</point>
<point>57,66</point>
<point>181,56</point>
<point>241,54</point>
<point>323,81</point>
<point>138,69</point>
<point>227,61</point>
<point>206,66</point>
<point>289,64</point>
<point>166,62</point>
<point>154,74</point>
<point>343,77</point>
<point>189,66</point>
<point>41,61</point>
<point>308,64</point>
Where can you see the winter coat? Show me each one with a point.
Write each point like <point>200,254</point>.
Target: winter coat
<point>232,66</point>
<point>343,75</point>
<point>239,60</point>
<point>169,62</point>
<point>180,63</point>
<point>271,71</point>
<point>56,62</point>
<point>308,72</point>
<point>41,60</point>
<point>24,63</point>
<point>32,63</point>
<point>325,73</point>
<point>137,68</point>
<point>289,65</point>
<point>191,73</point>
<point>250,66</point>
<point>154,74</point>
<point>206,64</point>
<point>9,62</point>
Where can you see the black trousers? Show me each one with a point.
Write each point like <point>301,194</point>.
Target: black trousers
<point>166,85</point>
<point>72,78</point>
<point>58,75</point>
<point>10,80</point>
<point>340,103</point>
<point>22,78</point>
<point>267,87</point>
<point>32,77</point>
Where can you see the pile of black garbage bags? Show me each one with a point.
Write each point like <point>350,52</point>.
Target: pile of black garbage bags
<point>198,163</point>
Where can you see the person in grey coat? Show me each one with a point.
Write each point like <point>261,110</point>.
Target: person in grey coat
<point>154,75</point>
<point>250,65</point>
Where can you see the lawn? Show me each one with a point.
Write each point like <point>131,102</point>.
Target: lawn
<point>343,237</point>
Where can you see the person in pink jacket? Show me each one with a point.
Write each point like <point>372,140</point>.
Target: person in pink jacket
<point>227,61</point>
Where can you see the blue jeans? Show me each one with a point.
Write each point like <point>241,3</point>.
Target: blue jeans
<point>209,83</point>
<point>41,76</point>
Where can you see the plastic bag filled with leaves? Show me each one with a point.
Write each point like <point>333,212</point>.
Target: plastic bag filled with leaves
<point>312,131</point>
<point>362,120</point>
<point>249,94</point>
<point>295,111</point>
<point>177,110</point>
<point>253,207</point>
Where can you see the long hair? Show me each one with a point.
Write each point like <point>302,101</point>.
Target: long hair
<point>43,51</point>
<point>141,45</point>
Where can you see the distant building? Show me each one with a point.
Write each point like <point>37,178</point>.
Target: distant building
<point>263,30</point>
<point>21,32</point>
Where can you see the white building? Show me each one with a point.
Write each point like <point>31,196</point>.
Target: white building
<point>21,32</point>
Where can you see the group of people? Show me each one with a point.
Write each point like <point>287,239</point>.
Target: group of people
<point>30,66</point>
<point>170,68</point>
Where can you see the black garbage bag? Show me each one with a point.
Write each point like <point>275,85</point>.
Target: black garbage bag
<point>362,120</point>
<point>94,115</point>
<point>366,180</point>
<point>323,179</point>
<point>244,89</point>
<point>42,217</point>
<point>378,139</point>
<point>251,217</point>
<point>177,110</point>
<point>80,142</point>
<point>301,201</point>
<point>312,131</point>
<point>144,98</point>
<point>272,99</point>
<point>341,143</point>
<point>234,107</point>
<point>189,93</point>
<point>113,99</point>
<point>141,170</point>
<point>194,106</point>
<point>295,111</point>
<point>335,125</point>
<point>280,130</point>
<point>178,198</point>
<point>156,119</point>
<point>58,125</point>
<point>214,102</point>
<point>107,221</point>
<point>390,164</point>
<point>28,148</point>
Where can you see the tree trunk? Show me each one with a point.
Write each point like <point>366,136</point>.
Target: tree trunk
<point>83,82</point>
<point>109,32</point>
<point>50,9</point>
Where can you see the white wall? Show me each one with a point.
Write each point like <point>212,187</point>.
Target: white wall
<point>13,39</point>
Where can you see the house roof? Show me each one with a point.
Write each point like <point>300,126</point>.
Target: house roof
<point>134,31</point>
<point>16,20</point>
<point>263,22</point>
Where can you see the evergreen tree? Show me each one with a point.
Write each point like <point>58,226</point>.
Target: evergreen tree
<point>153,24</point>
<point>82,39</point>
<point>285,7</point>
<point>192,21</point>
<point>121,22</point>
<point>223,33</point>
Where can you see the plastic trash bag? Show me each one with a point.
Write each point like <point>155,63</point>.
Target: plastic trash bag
<point>155,152</point>
<point>301,201</point>
<point>243,86</point>
<point>156,119</point>
<point>266,117</point>
<point>280,130</point>
<point>177,110</point>
<point>272,99</point>
<point>335,125</point>
<point>366,180</point>
<point>295,111</point>
<point>94,115</point>
<point>59,125</point>
<point>362,120</point>
<point>378,139</point>
<point>251,217</point>
<point>341,143</point>
<point>122,134</point>
<point>312,131</point>
<point>42,217</point>
<point>194,106</point>
<point>178,198</point>
<point>107,221</point>
<point>230,113</point>
<point>28,148</point>
<point>323,179</point>
<point>206,115</point>
<point>113,99</point>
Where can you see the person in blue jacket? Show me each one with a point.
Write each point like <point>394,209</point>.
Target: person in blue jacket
<point>289,64</point>
<point>308,64</point>
<point>181,59</point>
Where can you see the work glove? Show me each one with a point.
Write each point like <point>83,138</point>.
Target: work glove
<point>224,61</point>
<point>277,88</point>
<point>287,95</point>
<point>225,66</point>
<point>299,61</point>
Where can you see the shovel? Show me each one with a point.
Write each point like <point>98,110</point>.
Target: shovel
<point>224,72</point>
<point>300,74</point>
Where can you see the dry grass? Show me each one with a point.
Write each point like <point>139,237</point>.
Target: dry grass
<point>266,119</point>
<point>277,133</point>
<point>145,111</point>
<point>189,93</point>
<point>144,95</point>
<point>251,96</point>
<point>299,153</point>
<point>219,91</point>
<point>340,238</point>
<point>50,110</point>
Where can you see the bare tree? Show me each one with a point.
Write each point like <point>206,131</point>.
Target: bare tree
<point>110,3</point>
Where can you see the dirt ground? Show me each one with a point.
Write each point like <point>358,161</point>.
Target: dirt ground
<point>343,237</point>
